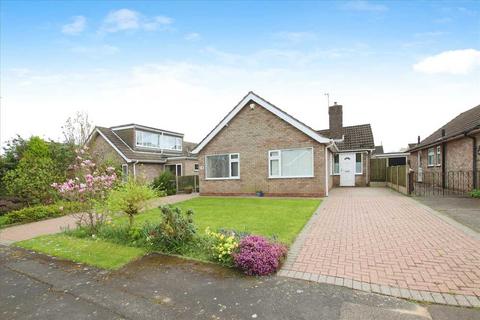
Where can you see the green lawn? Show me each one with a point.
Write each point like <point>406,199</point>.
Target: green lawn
<point>283,218</point>
<point>97,253</point>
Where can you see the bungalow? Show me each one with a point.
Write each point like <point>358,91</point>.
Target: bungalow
<point>449,156</point>
<point>143,151</point>
<point>259,147</point>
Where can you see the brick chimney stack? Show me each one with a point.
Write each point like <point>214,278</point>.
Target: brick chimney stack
<point>335,114</point>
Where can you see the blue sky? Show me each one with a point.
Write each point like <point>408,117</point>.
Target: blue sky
<point>401,66</point>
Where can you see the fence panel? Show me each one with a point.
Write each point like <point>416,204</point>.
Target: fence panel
<point>378,170</point>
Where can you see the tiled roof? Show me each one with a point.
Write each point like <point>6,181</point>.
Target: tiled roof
<point>465,121</point>
<point>142,156</point>
<point>355,137</point>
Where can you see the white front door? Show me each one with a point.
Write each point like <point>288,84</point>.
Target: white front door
<point>347,169</point>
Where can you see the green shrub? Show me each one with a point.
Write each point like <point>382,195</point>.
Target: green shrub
<point>174,231</point>
<point>475,193</point>
<point>129,199</point>
<point>41,212</point>
<point>165,182</point>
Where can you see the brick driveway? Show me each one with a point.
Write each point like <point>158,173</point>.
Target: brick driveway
<point>379,237</point>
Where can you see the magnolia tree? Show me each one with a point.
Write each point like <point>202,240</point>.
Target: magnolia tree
<point>89,186</point>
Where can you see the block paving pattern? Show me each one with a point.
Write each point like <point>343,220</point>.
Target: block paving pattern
<point>377,240</point>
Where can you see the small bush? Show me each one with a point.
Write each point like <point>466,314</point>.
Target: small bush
<point>41,212</point>
<point>475,193</point>
<point>258,256</point>
<point>129,199</point>
<point>176,229</point>
<point>165,182</point>
<point>222,246</point>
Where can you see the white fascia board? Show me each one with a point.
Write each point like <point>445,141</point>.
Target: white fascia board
<point>282,115</point>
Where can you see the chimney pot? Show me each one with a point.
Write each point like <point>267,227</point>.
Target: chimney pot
<point>418,139</point>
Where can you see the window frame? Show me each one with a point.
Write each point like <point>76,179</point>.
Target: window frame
<point>332,169</point>
<point>229,166</point>
<point>279,158</point>
<point>196,167</point>
<point>361,164</point>
<point>438,156</point>
<point>432,164</point>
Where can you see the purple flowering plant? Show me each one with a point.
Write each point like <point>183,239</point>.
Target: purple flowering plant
<point>258,256</point>
<point>89,186</point>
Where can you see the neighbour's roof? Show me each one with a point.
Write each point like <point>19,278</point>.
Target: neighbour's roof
<point>464,122</point>
<point>130,154</point>
<point>378,150</point>
<point>354,137</point>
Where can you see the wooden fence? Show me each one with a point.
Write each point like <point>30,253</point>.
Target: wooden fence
<point>397,178</point>
<point>378,170</point>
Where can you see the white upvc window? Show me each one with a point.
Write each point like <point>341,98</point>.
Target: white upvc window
<point>336,164</point>
<point>290,163</point>
<point>359,163</point>
<point>196,167</point>
<point>439,156</point>
<point>222,166</point>
<point>431,157</point>
<point>154,140</point>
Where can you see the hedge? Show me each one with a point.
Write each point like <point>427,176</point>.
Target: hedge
<point>41,212</point>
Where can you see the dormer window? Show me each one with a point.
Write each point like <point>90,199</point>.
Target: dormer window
<point>160,141</point>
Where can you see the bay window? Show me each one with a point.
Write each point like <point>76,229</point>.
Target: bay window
<point>223,166</point>
<point>291,163</point>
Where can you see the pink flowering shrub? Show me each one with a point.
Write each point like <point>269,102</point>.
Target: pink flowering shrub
<point>258,256</point>
<point>90,186</point>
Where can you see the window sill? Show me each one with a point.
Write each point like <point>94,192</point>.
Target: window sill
<point>214,179</point>
<point>299,177</point>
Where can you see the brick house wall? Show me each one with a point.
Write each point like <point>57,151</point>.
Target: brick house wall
<point>252,133</point>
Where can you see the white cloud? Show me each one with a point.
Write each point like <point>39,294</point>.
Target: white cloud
<point>450,62</point>
<point>193,36</point>
<point>361,5</point>
<point>126,19</point>
<point>77,25</point>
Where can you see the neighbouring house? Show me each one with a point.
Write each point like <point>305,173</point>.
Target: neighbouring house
<point>259,147</point>
<point>143,151</point>
<point>449,157</point>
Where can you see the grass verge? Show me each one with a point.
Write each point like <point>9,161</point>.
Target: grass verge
<point>97,252</point>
